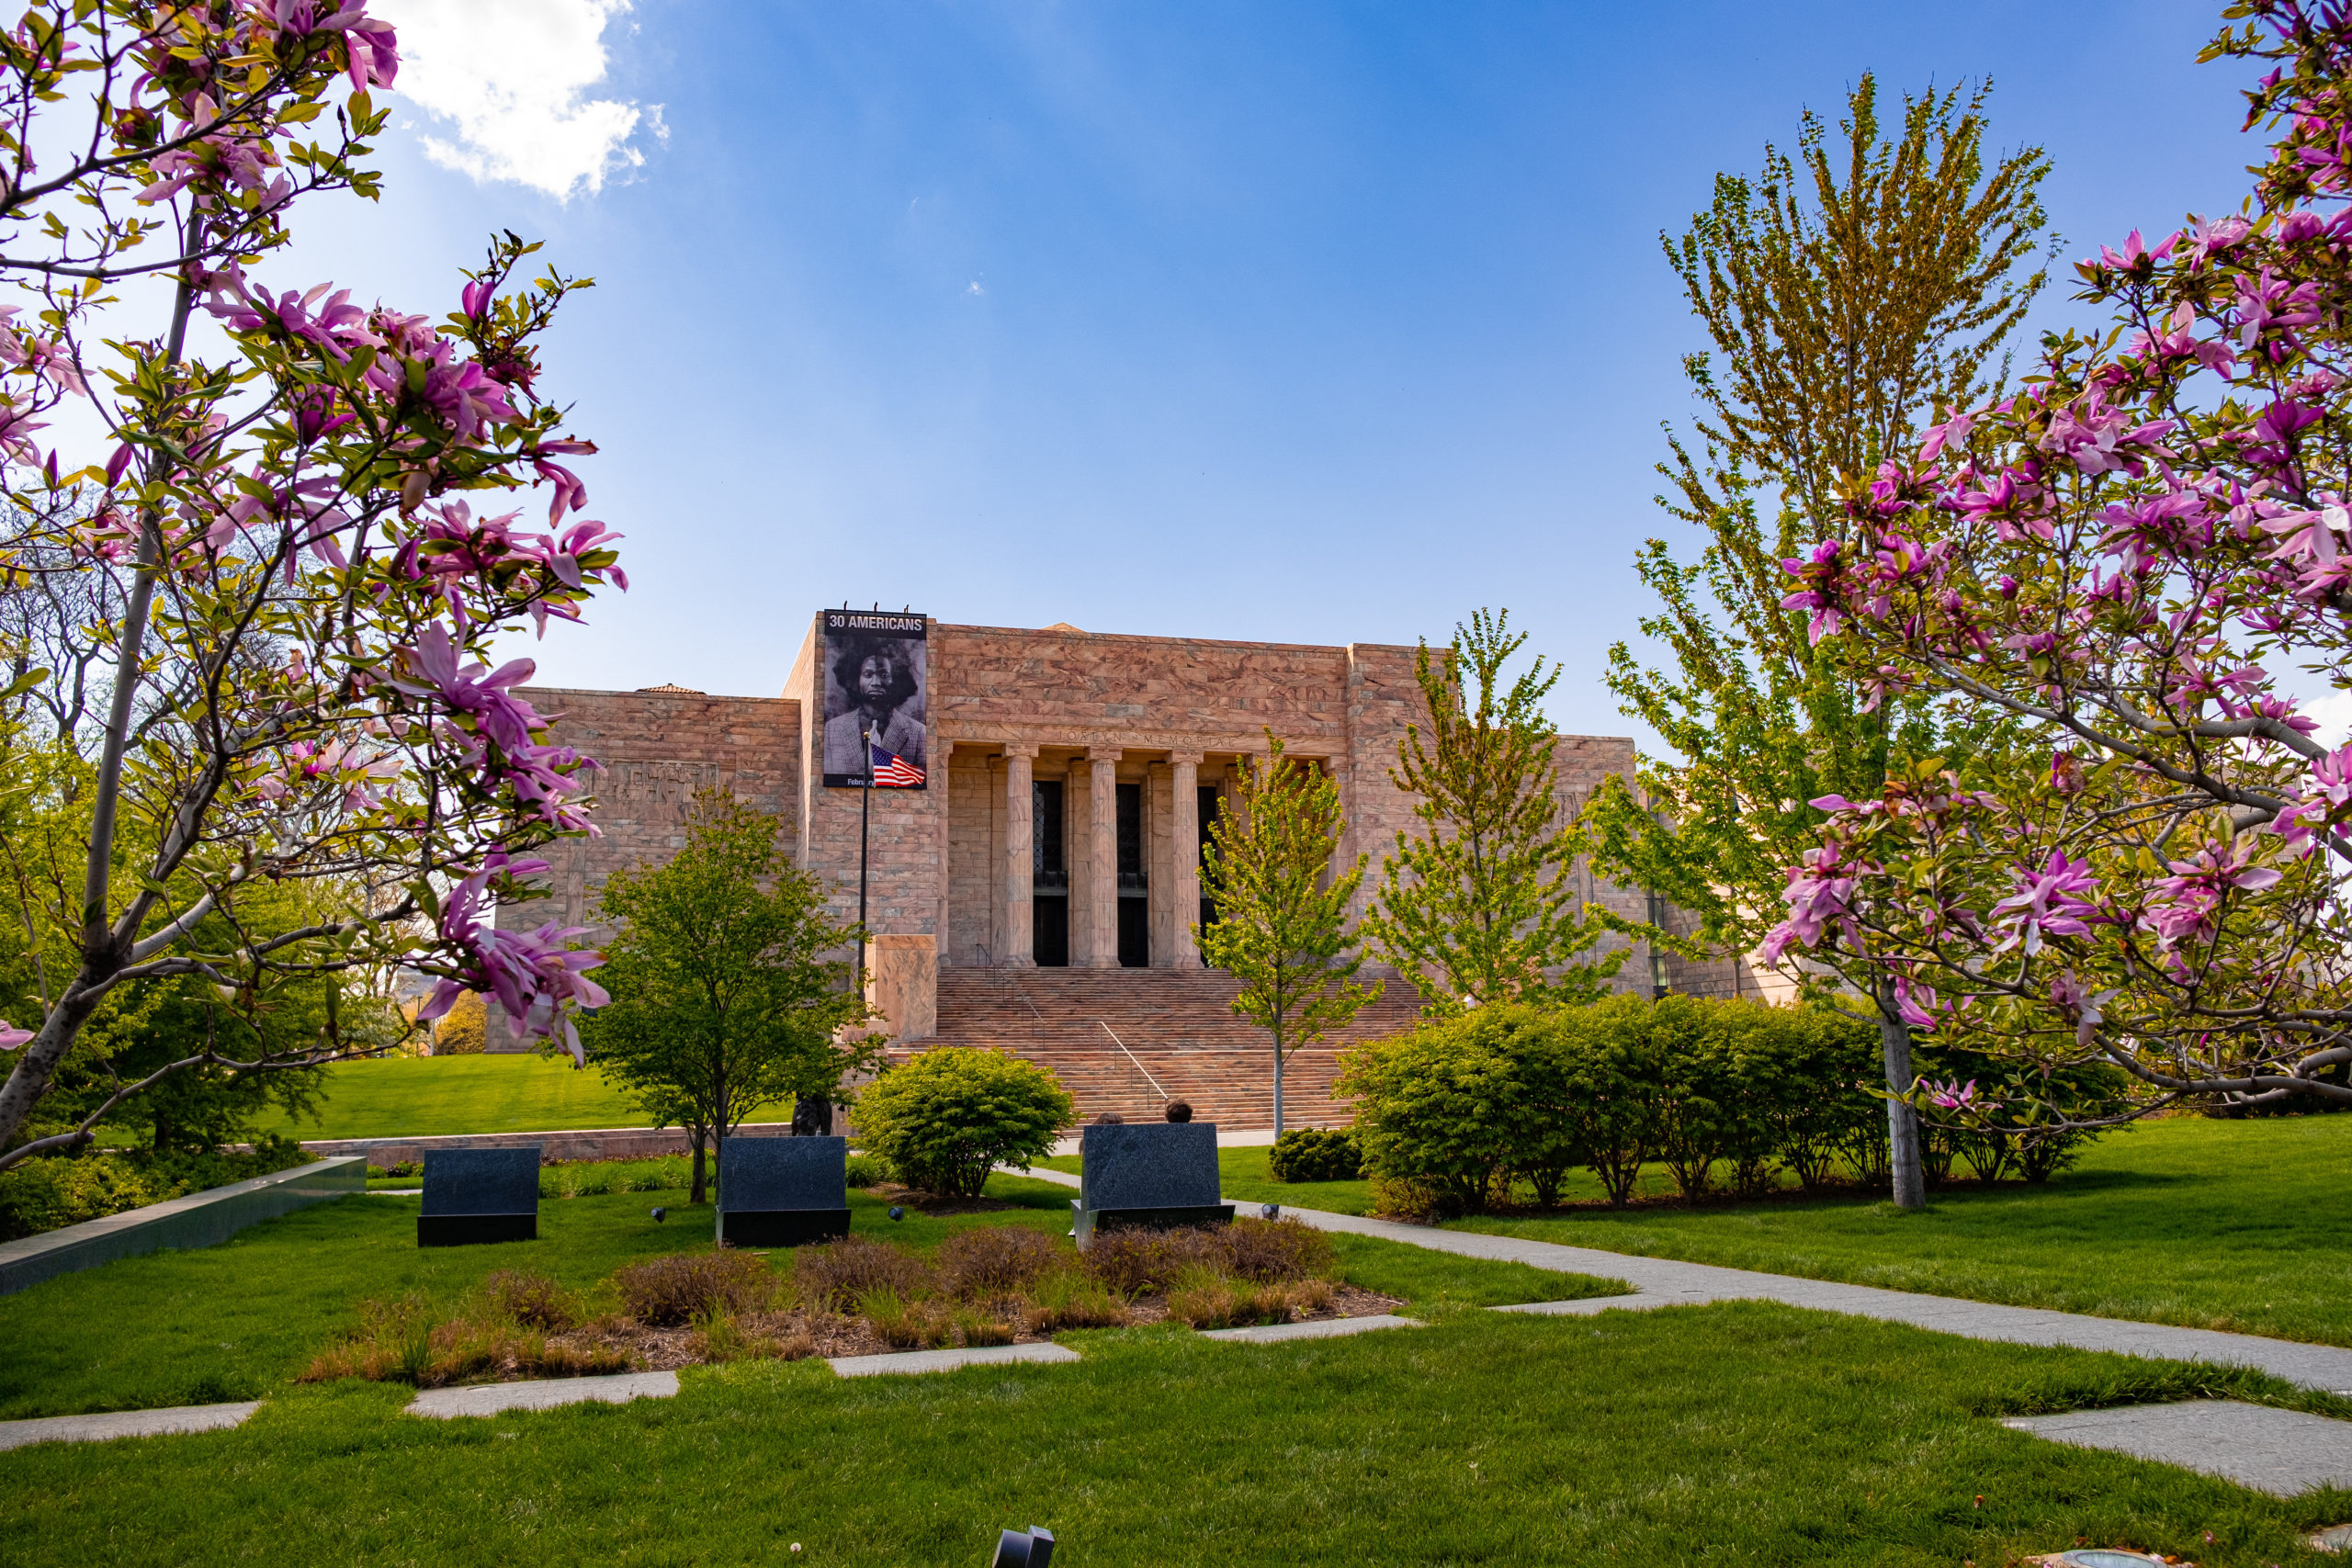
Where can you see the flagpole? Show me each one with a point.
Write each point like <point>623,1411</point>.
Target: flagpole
<point>865,815</point>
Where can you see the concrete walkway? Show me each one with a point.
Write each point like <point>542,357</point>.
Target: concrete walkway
<point>546,1394</point>
<point>124,1424</point>
<point>2283,1452</point>
<point>1659,1282</point>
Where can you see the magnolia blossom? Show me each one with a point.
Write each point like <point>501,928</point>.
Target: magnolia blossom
<point>1953,1096</point>
<point>2054,901</point>
<point>1820,897</point>
<point>536,977</point>
<point>12,1038</point>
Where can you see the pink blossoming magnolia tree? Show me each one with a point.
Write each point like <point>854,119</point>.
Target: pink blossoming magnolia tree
<point>305,547</point>
<point>2126,556</point>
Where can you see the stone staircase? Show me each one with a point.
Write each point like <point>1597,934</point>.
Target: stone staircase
<point>1178,1028</point>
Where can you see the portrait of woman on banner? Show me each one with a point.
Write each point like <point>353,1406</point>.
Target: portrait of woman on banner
<point>876,687</point>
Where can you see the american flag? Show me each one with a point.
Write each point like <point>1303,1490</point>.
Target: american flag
<point>892,770</point>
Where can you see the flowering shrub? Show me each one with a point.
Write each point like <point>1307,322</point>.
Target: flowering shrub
<point>2121,558</point>
<point>286,567</point>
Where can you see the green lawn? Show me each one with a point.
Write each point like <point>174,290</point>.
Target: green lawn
<point>1733,1433</point>
<point>2235,1225</point>
<point>409,1097</point>
<point>1738,1432</point>
<point>241,1320</point>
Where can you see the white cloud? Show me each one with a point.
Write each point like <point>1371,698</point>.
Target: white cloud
<point>2334,712</point>
<point>976,287</point>
<point>511,77</point>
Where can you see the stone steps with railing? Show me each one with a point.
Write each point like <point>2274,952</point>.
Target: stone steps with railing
<point>1177,1028</point>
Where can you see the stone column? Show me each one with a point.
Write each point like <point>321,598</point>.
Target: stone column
<point>1186,766</point>
<point>1020,934</point>
<point>1102,856</point>
<point>937,780</point>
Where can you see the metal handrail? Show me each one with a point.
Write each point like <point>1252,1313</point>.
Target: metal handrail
<point>1131,1056</point>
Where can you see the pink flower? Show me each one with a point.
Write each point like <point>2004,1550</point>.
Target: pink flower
<point>2054,901</point>
<point>1819,896</point>
<point>535,979</point>
<point>12,1038</point>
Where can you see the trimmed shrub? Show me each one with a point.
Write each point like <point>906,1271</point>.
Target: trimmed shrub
<point>994,1261</point>
<point>670,1293</point>
<point>1449,1104</point>
<point>1315,1154</point>
<point>1453,1113</point>
<point>947,1117</point>
<point>832,1277</point>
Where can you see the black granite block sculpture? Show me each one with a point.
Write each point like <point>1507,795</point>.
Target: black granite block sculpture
<point>479,1195</point>
<point>781,1191</point>
<point>1152,1176</point>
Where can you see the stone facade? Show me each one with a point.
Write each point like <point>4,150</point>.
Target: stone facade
<point>1007,709</point>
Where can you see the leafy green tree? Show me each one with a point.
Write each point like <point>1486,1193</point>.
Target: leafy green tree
<point>1849,293</point>
<point>188,1061</point>
<point>1480,906</point>
<point>951,1115</point>
<point>1282,925</point>
<point>722,999</point>
<point>464,1029</point>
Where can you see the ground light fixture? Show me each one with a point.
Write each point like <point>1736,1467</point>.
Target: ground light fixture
<point>1032,1548</point>
<point>897,1212</point>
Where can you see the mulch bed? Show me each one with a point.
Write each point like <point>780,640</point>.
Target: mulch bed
<point>932,1203</point>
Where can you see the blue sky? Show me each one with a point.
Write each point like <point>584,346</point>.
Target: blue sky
<point>1309,323</point>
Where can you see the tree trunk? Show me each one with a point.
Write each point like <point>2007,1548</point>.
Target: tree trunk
<point>701,1182</point>
<point>1278,1090</point>
<point>1902,1122</point>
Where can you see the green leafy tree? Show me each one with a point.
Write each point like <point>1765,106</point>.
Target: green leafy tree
<point>464,1029</point>
<point>1282,925</point>
<point>188,1061</point>
<point>1849,293</point>
<point>1480,906</point>
<point>722,998</point>
<point>951,1115</point>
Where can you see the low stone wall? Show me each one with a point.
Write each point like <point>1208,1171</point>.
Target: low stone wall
<point>201,1219</point>
<point>587,1143</point>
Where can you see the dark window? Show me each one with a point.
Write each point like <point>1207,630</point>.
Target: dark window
<point>1135,933</point>
<point>1049,933</point>
<point>1049,877</point>
<point>1212,803</point>
<point>1048,870</point>
<point>1131,863</point>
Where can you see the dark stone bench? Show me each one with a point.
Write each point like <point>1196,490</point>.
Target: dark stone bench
<point>781,1191</point>
<point>1150,1176</point>
<point>472,1195</point>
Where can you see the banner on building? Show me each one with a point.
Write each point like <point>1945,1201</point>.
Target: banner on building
<point>875,682</point>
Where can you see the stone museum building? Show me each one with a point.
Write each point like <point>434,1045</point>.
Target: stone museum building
<point>1038,888</point>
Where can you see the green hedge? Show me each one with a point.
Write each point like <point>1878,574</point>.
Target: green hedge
<point>1729,1095</point>
<point>1315,1154</point>
<point>50,1194</point>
